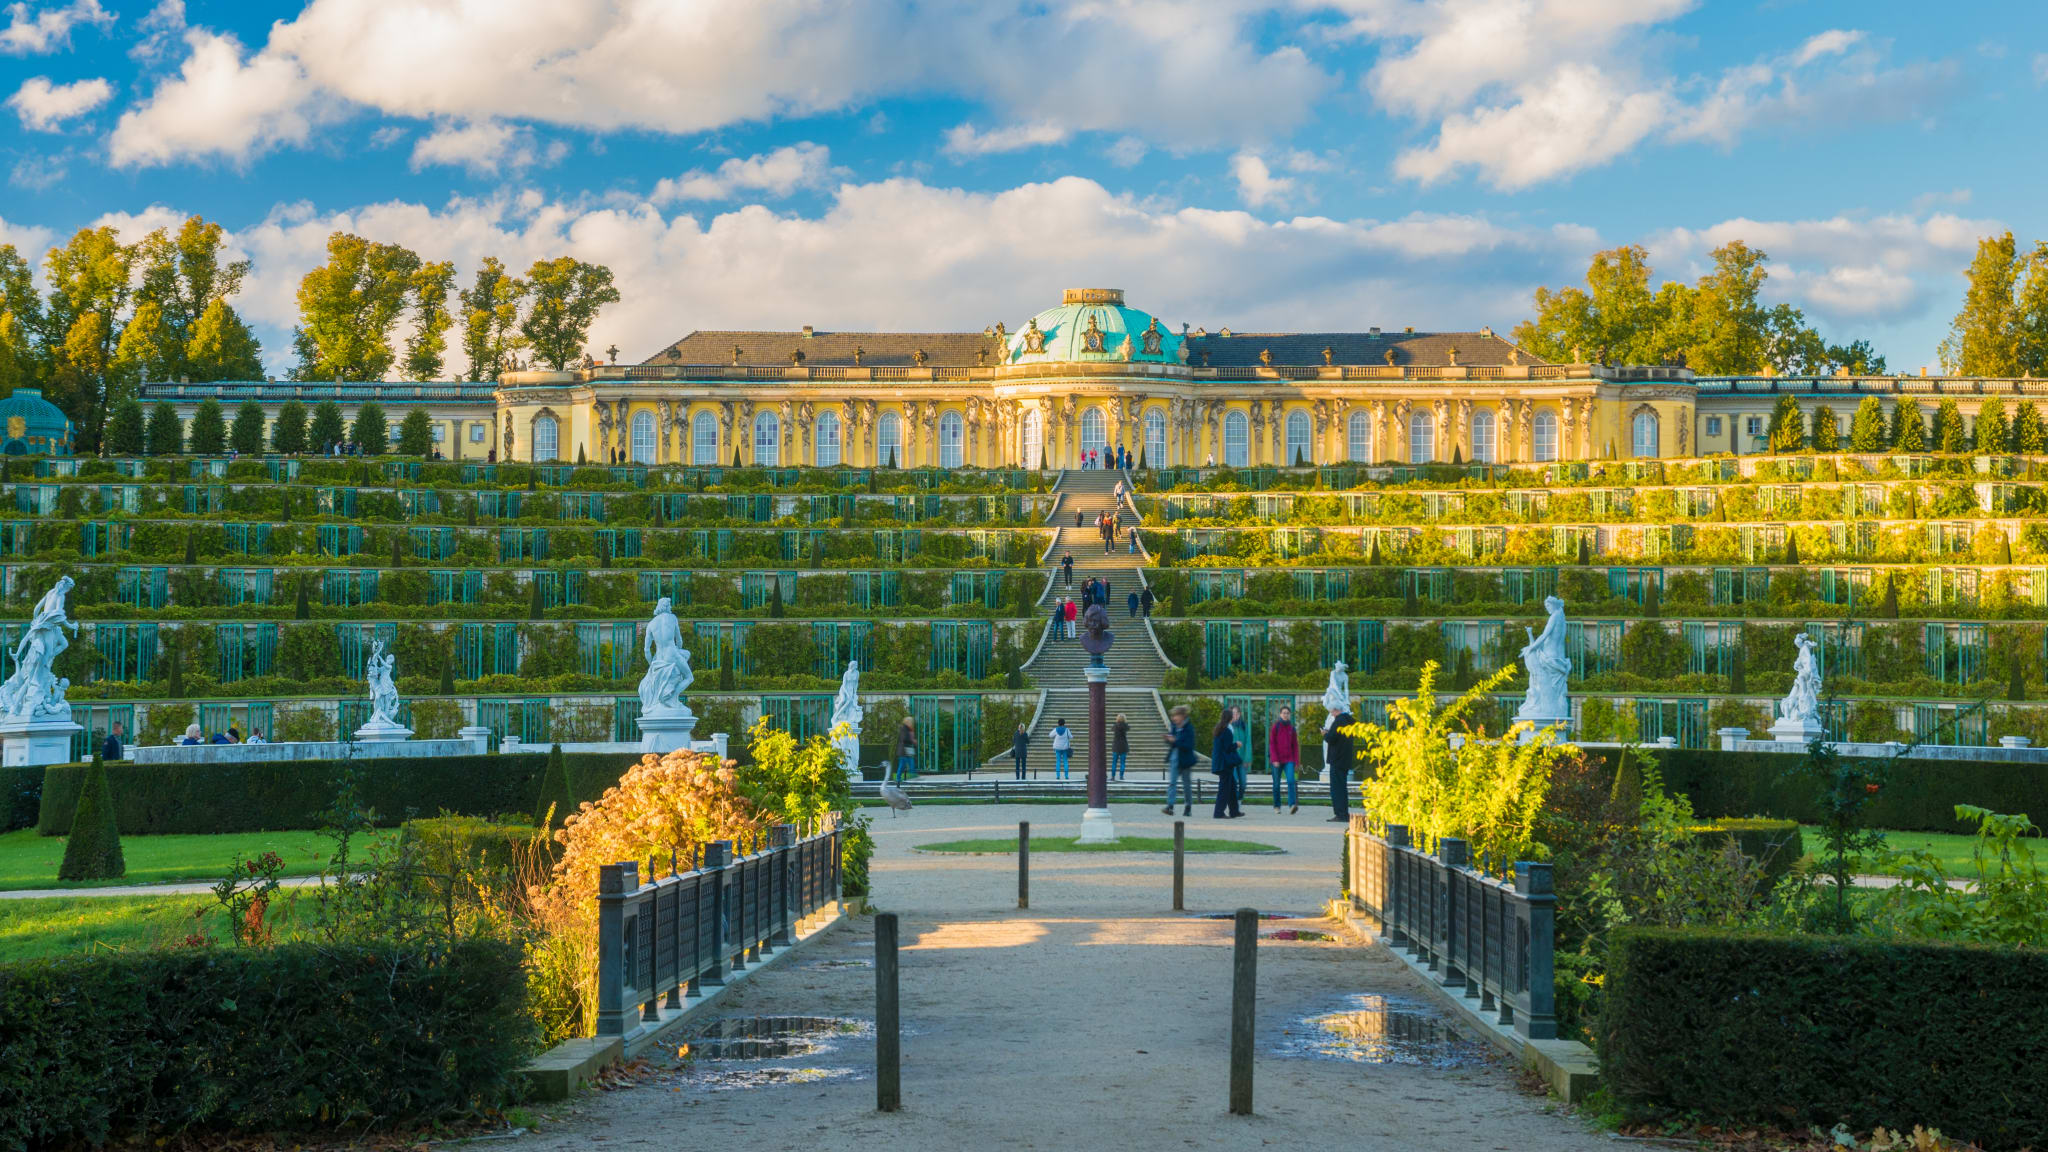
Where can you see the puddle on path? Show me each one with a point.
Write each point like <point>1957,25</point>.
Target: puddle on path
<point>1302,934</point>
<point>834,965</point>
<point>1373,1029</point>
<point>765,1051</point>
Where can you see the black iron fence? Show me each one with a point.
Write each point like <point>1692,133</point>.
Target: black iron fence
<point>673,937</point>
<point>1492,937</point>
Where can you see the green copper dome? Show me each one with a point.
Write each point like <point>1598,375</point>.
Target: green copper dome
<point>32,426</point>
<point>1091,325</point>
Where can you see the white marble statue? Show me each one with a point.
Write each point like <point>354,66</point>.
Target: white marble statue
<point>382,675</point>
<point>846,710</point>
<point>34,691</point>
<point>1547,668</point>
<point>1802,704</point>
<point>668,666</point>
<point>1337,694</point>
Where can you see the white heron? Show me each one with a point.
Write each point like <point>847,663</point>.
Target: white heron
<point>897,798</point>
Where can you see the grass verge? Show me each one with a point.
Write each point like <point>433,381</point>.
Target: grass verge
<point>997,846</point>
<point>62,925</point>
<point>30,861</point>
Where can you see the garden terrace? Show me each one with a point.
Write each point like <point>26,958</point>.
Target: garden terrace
<point>1584,473</point>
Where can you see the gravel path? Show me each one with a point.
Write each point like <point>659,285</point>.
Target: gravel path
<point>1097,1020</point>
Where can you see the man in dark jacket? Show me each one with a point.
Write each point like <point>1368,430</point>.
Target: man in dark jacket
<point>1020,749</point>
<point>1180,761</point>
<point>1131,601</point>
<point>112,749</point>
<point>1338,753</point>
<point>1145,599</point>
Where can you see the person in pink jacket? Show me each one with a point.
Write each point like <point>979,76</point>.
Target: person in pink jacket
<point>1071,615</point>
<point>1283,752</point>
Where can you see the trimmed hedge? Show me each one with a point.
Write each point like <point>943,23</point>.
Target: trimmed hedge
<point>21,797</point>
<point>1776,845</point>
<point>1920,796</point>
<point>1796,1030</point>
<point>293,794</point>
<point>476,842</point>
<point>133,1044</point>
<point>93,850</point>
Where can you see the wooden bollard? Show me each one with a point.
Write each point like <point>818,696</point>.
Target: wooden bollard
<point>1023,863</point>
<point>888,1021</point>
<point>1244,990</point>
<point>1180,865</point>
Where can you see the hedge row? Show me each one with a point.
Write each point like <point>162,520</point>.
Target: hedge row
<point>21,797</point>
<point>151,799</point>
<point>1789,1031</point>
<point>135,1044</point>
<point>1918,796</point>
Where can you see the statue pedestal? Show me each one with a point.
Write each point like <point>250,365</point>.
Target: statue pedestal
<point>25,743</point>
<point>665,733</point>
<point>378,732</point>
<point>849,755</point>
<point>1097,826</point>
<point>1563,724</point>
<point>1800,730</point>
<point>479,737</point>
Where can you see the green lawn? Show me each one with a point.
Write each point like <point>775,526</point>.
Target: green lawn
<point>1000,845</point>
<point>30,861</point>
<point>1954,850</point>
<point>59,925</point>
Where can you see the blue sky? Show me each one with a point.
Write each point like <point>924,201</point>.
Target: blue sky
<point>947,164</point>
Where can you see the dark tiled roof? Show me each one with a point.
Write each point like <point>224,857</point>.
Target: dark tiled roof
<point>833,349</point>
<point>1241,349</point>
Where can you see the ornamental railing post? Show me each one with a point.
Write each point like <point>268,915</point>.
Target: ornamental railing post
<point>1452,854</point>
<point>1537,1019</point>
<point>1397,911</point>
<point>616,884</point>
<point>716,855</point>
<point>782,843</point>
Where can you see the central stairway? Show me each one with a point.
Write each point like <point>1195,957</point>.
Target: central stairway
<point>1136,668</point>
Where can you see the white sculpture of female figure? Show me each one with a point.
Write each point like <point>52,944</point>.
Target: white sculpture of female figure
<point>1547,666</point>
<point>668,665</point>
<point>28,692</point>
<point>1802,704</point>
<point>1337,695</point>
<point>846,710</point>
<point>383,687</point>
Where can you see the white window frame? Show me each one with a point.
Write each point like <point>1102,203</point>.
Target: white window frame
<point>1237,440</point>
<point>642,437</point>
<point>1094,430</point>
<point>952,440</point>
<point>1713,425</point>
<point>828,440</point>
<point>704,440</point>
<point>1543,437</point>
<point>1301,442</point>
<point>1421,437</point>
<point>767,440</point>
<point>1032,440</point>
<point>1643,438</point>
<point>1358,438</point>
<point>889,440</point>
<point>1483,437</point>
<point>476,432</point>
<point>1155,437</point>
<point>547,439</point>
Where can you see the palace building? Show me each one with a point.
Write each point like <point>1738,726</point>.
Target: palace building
<point>1091,374</point>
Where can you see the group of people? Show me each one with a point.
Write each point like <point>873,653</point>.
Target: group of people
<point>1227,761</point>
<point>1063,748</point>
<point>1140,603</point>
<point>233,735</point>
<point>1118,458</point>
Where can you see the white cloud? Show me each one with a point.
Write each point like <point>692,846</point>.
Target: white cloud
<point>1147,69</point>
<point>964,140</point>
<point>1578,118</point>
<point>484,147</point>
<point>777,174</point>
<point>32,32</point>
<point>1256,184</point>
<point>162,30</point>
<point>38,173</point>
<point>29,240</point>
<point>44,106</point>
<point>1832,42</point>
<point>1126,152</point>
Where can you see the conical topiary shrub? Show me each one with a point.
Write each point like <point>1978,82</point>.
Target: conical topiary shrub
<point>554,792</point>
<point>93,850</point>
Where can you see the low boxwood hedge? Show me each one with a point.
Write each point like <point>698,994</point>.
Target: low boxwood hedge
<point>21,797</point>
<point>1919,796</point>
<point>114,1045</point>
<point>1796,1030</point>
<point>151,799</point>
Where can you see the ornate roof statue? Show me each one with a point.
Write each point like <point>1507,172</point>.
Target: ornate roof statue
<point>1091,337</point>
<point>1152,337</point>
<point>1034,339</point>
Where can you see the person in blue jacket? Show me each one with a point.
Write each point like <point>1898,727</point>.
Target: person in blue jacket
<point>1180,761</point>
<point>1224,759</point>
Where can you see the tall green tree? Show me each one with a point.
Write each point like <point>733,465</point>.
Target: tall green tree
<point>371,432</point>
<point>1949,433</point>
<point>1787,431</point>
<point>186,280</point>
<point>1909,427</point>
<point>490,320</point>
<point>1617,312</point>
<point>126,434</point>
<point>1728,333</point>
<point>1827,430</point>
<point>1984,337</point>
<point>2029,432</point>
<point>245,435</point>
<point>148,350</point>
<point>416,433</point>
<point>564,297</point>
<point>1868,431</point>
<point>288,431</point>
<point>22,360</point>
<point>1993,430</point>
<point>1857,358</point>
<point>166,431</point>
<point>209,431</point>
<point>327,428</point>
<point>427,347</point>
<point>89,278</point>
<point>222,347</point>
<point>347,308</point>
<point>2031,310</point>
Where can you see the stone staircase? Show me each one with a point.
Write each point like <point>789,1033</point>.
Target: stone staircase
<point>1136,668</point>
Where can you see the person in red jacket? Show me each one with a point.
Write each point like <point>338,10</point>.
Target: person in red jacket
<point>1070,615</point>
<point>1283,752</point>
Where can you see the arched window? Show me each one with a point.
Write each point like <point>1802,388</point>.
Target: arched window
<point>1482,437</point>
<point>704,440</point>
<point>1236,440</point>
<point>1155,438</point>
<point>1358,437</point>
<point>951,454</point>
<point>767,440</point>
<point>1544,434</point>
<point>1034,440</point>
<point>1300,446</point>
<point>1421,437</point>
<point>547,439</point>
<point>643,437</point>
<point>828,439</point>
<point>1644,433</point>
<point>889,441</point>
<point>1094,431</point>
